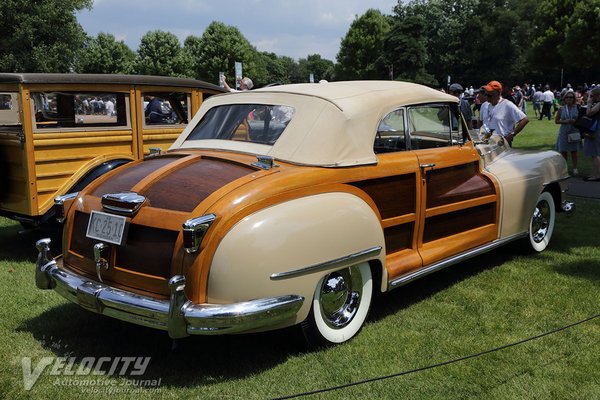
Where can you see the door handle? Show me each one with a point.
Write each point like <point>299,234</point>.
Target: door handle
<point>423,168</point>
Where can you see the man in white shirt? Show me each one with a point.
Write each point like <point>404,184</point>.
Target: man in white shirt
<point>245,84</point>
<point>110,107</point>
<point>548,98</point>
<point>500,114</point>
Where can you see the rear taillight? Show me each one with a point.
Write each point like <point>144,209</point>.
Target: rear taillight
<point>60,206</point>
<point>194,230</point>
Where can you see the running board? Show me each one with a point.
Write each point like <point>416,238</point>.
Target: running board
<point>404,279</point>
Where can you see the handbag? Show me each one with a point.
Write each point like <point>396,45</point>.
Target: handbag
<point>586,124</point>
<point>574,137</point>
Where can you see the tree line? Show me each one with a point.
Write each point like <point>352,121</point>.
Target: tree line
<point>423,41</point>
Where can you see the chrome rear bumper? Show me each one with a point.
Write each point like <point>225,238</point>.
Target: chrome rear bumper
<point>178,315</point>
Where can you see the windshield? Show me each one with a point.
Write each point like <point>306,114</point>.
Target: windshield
<point>256,123</point>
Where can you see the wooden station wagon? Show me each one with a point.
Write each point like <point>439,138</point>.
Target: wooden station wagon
<point>293,204</point>
<point>58,132</point>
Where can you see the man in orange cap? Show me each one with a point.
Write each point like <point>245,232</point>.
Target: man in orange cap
<point>501,115</point>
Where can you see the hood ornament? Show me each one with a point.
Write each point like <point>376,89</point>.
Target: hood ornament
<point>101,252</point>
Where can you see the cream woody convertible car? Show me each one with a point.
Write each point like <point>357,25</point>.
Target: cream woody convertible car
<point>294,204</point>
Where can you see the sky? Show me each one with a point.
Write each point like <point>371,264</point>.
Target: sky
<point>287,28</point>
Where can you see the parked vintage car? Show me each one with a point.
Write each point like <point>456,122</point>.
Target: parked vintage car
<point>292,205</point>
<point>58,132</point>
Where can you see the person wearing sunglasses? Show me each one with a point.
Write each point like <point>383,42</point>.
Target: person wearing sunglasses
<point>501,115</point>
<point>567,142</point>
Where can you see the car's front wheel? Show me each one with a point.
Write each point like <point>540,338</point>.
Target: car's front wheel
<point>541,224</point>
<point>340,306</point>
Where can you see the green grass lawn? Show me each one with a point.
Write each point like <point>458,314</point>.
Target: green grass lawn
<point>490,301</point>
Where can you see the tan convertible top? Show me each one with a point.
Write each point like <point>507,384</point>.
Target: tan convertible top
<point>334,123</point>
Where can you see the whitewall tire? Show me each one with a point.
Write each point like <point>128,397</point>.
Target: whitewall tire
<point>340,305</point>
<point>541,224</point>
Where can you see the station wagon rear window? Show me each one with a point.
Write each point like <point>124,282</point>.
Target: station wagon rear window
<point>9,109</point>
<point>256,123</point>
<point>54,110</point>
<point>166,108</point>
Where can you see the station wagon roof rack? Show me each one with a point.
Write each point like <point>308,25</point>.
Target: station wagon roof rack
<point>105,78</point>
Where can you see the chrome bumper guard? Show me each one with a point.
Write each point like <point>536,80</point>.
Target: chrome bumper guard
<point>178,315</point>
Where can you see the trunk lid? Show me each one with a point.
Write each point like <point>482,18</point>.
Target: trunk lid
<point>151,251</point>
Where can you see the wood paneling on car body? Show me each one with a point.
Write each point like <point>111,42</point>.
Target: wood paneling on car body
<point>393,189</point>
<point>457,183</point>
<point>460,208</point>
<point>126,178</point>
<point>393,195</point>
<point>181,191</point>
<point>452,223</point>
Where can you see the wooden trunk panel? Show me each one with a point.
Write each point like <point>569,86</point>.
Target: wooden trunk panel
<point>184,188</point>
<point>127,178</point>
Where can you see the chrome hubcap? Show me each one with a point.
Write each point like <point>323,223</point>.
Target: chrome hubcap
<point>340,296</point>
<point>540,221</point>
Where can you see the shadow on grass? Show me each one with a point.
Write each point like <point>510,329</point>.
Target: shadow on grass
<point>415,292</point>
<point>588,270</point>
<point>18,243</point>
<point>70,331</point>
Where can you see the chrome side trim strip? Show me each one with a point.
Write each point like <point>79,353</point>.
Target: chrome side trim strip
<point>332,264</point>
<point>452,260</point>
<point>559,180</point>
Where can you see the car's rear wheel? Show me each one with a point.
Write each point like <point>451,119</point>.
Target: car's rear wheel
<point>340,306</point>
<point>541,224</point>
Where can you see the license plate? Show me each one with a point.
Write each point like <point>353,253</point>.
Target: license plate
<point>106,227</point>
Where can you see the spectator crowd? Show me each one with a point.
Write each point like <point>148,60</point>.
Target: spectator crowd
<point>503,109</point>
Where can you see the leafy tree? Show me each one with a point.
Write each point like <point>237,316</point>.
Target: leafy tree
<point>217,51</point>
<point>566,35</point>
<point>406,46</point>
<point>189,56</point>
<point>40,36</point>
<point>160,54</point>
<point>474,41</point>
<point>492,50</point>
<point>293,71</point>
<point>361,54</point>
<point>274,68</point>
<point>582,38</point>
<point>104,55</point>
<point>319,67</point>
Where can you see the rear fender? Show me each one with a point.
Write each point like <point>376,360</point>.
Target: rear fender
<point>98,171</point>
<point>269,253</point>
